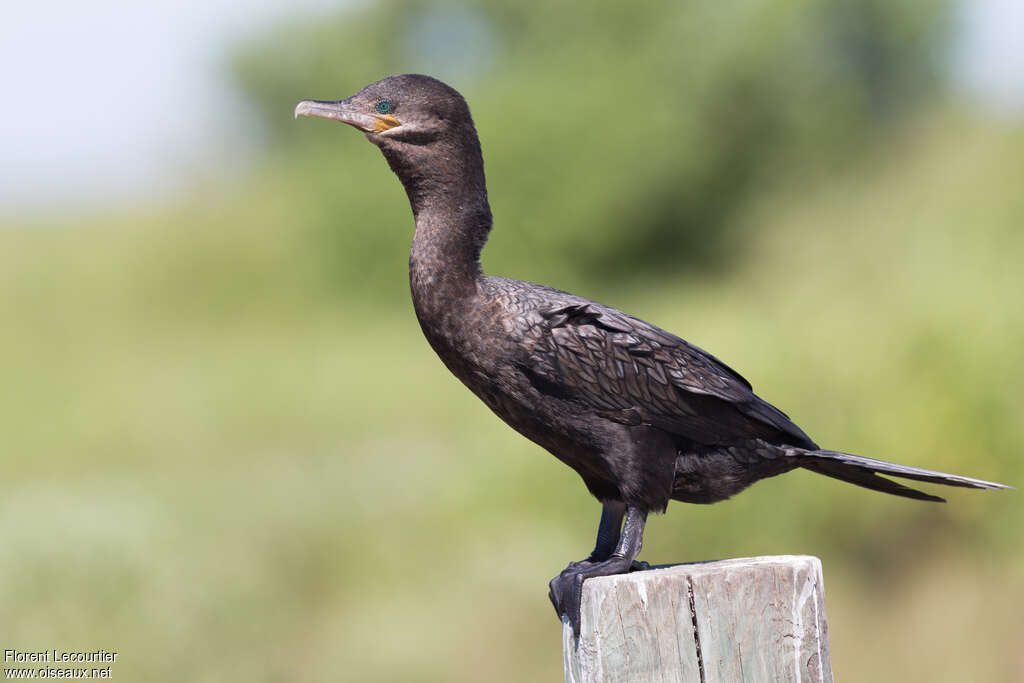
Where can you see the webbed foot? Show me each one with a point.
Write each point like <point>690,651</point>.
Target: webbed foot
<point>566,589</point>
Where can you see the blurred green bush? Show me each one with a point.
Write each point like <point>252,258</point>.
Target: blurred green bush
<point>618,139</point>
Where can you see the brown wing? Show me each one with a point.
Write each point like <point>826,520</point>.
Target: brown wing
<point>633,372</point>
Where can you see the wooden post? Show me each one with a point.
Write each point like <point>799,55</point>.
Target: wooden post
<point>749,619</point>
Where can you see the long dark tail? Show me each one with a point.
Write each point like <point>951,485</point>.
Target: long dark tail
<point>864,472</point>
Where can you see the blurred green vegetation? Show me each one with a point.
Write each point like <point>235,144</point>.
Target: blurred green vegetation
<point>228,453</point>
<point>681,109</point>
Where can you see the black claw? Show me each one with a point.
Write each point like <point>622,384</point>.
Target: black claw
<point>566,590</point>
<point>566,594</point>
<point>581,564</point>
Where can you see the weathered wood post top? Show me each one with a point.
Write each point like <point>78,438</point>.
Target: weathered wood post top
<point>751,619</point>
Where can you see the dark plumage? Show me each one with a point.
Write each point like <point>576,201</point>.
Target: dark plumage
<point>643,416</point>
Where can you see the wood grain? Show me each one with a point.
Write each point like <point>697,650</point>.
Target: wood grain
<point>750,619</point>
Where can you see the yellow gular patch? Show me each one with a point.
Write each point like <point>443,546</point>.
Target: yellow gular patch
<point>385,122</point>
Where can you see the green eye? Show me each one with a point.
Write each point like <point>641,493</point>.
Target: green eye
<point>383,107</point>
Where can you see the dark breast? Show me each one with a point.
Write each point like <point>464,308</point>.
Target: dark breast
<point>489,344</point>
<point>622,402</point>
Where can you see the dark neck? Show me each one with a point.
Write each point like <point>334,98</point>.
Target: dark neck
<point>444,180</point>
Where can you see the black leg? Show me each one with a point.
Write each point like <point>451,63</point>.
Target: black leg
<point>566,589</point>
<point>608,532</point>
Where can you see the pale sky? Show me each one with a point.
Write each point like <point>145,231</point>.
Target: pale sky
<point>115,99</point>
<point>99,99</point>
<point>990,52</point>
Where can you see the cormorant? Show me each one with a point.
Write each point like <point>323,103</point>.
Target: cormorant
<point>643,416</point>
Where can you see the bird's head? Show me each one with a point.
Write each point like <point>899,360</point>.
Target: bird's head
<point>424,129</point>
<point>410,109</point>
